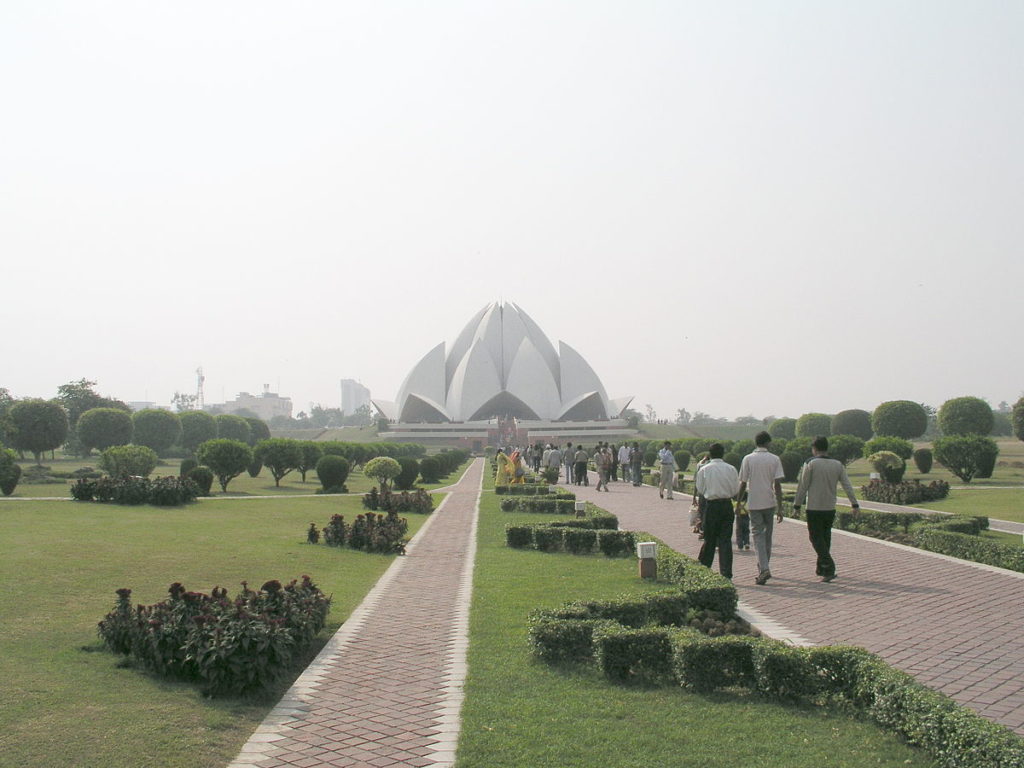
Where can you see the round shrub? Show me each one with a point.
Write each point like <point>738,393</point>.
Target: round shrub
<point>814,424</point>
<point>332,472</point>
<point>231,427</point>
<point>801,446</point>
<point>258,430</point>
<point>10,471</point>
<point>682,460</point>
<point>902,448</point>
<point>405,479</point>
<point>131,460</point>
<point>156,429</point>
<point>430,469</point>
<point>650,457</point>
<point>203,478</point>
<point>743,447</point>
<point>987,463</point>
<point>965,416</point>
<point>196,428</point>
<point>382,469</point>
<point>923,460</point>
<point>791,465</point>
<point>965,455</point>
<point>900,418</point>
<point>845,448</point>
<point>187,465</point>
<point>254,468</point>
<point>102,428</point>
<point>733,458</point>
<point>852,422</point>
<point>784,428</point>
<point>890,466</point>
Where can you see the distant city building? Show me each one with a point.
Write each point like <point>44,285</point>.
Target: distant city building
<point>353,396</point>
<point>266,406</point>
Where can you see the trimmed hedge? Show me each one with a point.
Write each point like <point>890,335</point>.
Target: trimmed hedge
<point>574,539</point>
<point>907,492</point>
<point>706,589</point>
<point>523,489</point>
<point>967,547</point>
<point>551,506</point>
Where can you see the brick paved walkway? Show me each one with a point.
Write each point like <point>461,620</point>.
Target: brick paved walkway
<point>387,689</point>
<point>955,626</point>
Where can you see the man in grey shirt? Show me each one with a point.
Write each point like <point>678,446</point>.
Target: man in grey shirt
<point>817,485</point>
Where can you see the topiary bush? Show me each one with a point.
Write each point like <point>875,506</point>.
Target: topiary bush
<point>405,479</point>
<point>227,458</point>
<point>332,471</point>
<point>792,463</point>
<point>902,448</point>
<point>10,471</point>
<point>383,469</point>
<point>203,478</point>
<point>923,460</point>
<point>102,428</point>
<point>784,428</point>
<point>845,448</point>
<point>430,469</point>
<point>186,466</point>
<point>967,455</point>
<point>135,460</point>
<point>890,466</point>
<point>900,418</point>
<point>965,416</point>
<point>814,424</point>
<point>682,460</point>
<point>156,428</point>
<point>852,422</point>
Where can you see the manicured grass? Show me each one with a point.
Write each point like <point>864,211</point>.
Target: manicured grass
<point>66,701</point>
<point>998,503</point>
<point>519,712</point>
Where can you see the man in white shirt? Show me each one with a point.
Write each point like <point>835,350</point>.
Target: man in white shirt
<point>668,470</point>
<point>624,461</point>
<point>718,482</point>
<point>761,477</point>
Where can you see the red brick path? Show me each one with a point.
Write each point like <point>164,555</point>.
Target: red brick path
<point>387,688</point>
<point>955,626</point>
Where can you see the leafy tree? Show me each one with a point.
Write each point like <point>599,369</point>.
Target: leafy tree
<point>77,397</point>
<point>137,460</point>
<point>6,428</point>
<point>183,402</point>
<point>852,422</point>
<point>310,454</point>
<point>258,430</point>
<point>38,426</point>
<point>902,448</point>
<point>278,454</point>
<point>1001,426</point>
<point>683,417</point>
<point>900,418</point>
<point>1018,419</point>
<point>196,428</point>
<point>227,458</point>
<point>382,469</point>
<point>784,428</point>
<point>845,448</point>
<point>232,427</point>
<point>965,455</point>
<point>10,471</point>
<point>965,416</point>
<point>813,424</point>
<point>405,479</point>
<point>101,428</point>
<point>156,428</point>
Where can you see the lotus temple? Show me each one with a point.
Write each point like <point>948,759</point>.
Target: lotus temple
<point>503,382</point>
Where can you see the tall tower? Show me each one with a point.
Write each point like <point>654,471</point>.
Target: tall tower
<point>199,388</point>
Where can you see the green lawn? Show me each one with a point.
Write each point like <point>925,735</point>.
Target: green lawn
<point>519,712</point>
<point>66,702</point>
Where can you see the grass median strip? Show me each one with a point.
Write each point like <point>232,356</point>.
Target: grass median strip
<point>519,711</point>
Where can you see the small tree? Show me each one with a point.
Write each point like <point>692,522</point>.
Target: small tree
<point>38,426</point>
<point>121,460</point>
<point>965,455</point>
<point>309,455</point>
<point>430,469</point>
<point>845,448</point>
<point>965,416</point>
<point>1018,419</point>
<point>902,448</point>
<point>890,466</point>
<point>900,418</point>
<point>784,428</point>
<point>156,429</point>
<point>280,455</point>
<point>852,422</point>
<point>382,469</point>
<point>196,428</point>
<point>226,458</point>
<point>405,479</point>
<point>682,460</point>
<point>232,427</point>
<point>258,430</point>
<point>813,424</point>
<point>101,428</point>
<point>923,460</point>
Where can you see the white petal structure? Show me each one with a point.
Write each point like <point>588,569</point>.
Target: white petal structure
<point>501,364</point>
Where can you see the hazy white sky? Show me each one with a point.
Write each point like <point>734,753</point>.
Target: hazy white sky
<point>733,207</point>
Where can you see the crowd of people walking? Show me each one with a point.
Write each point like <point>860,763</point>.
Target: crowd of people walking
<point>747,501</point>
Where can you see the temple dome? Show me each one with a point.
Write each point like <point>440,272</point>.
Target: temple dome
<point>501,364</point>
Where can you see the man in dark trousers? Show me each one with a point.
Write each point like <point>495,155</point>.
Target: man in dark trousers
<point>817,485</point>
<point>718,482</point>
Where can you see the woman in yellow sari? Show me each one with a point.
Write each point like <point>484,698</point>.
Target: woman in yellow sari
<point>517,468</point>
<point>504,474</point>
